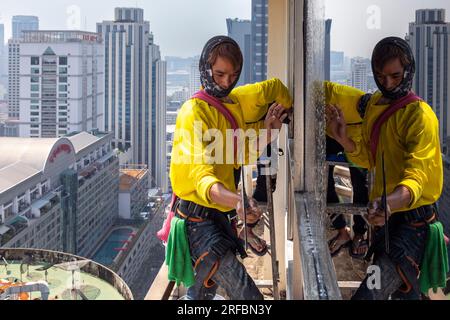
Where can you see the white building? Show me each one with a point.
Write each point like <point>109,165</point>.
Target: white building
<point>60,83</point>
<point>359,74</point>
<point>135,89</point>
<point>429,40</point>
<point>194,79</point>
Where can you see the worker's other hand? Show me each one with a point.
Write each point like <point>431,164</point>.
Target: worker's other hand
<point>376,213</point>
<point>274,119</point>
<point>253,212</point>
<point>336,124</point>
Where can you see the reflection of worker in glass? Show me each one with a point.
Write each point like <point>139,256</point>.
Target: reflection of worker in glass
<point>401,131</point>
<point>358,245</point>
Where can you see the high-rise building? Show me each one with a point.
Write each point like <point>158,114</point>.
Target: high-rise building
<point>194,79</point>
<point>23,23</point>
<point>13,79</point>
<point>259,39</point>
<point>134,82</point>
<point>60,83</point>
<point>429,39</point>
<point>3,63</point>
<point>159,94</point>
<point>337,60</point>
<point>241,32</point>
<point>328,49</point>
<point>359,74</point>
<point>2,38</point>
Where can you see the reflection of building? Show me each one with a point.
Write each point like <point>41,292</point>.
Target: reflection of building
<point>241,32</point>
<point>60,83</point>
<point>429,39</point>
<point>58,194</point>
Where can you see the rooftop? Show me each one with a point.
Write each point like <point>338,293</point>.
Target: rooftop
<point>129,177</point>
<point>28,274</point>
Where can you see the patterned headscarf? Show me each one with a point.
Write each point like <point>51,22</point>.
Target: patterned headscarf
<point>206,76</point>
<point>406,85</point>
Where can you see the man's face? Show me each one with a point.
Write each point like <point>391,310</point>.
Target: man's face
<point>224,73</point>
<point>391,75</point>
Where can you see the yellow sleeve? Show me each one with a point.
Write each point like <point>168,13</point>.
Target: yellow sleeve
<point>199,168</point>
<point>346,98</point>
<point>422,145</point>
<point>361,155</point>
<point>255,98</point>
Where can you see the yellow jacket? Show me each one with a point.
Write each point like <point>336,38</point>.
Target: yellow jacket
<point>410,142</point>
<point>194,170</point>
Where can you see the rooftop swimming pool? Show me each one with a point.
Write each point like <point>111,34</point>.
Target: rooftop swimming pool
<point>116,242</point>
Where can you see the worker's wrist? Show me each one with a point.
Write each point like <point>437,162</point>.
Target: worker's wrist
<point>348,144</point>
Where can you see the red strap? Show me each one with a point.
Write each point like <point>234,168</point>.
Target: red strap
<point>393,108</point>
<point>216,103</point>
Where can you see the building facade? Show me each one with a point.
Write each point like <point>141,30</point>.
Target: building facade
<point>259,39</point>
<point>60,83</point>
<point>134,86</point>
<point>359,73</point>
<point>13,79</point>
<point>23,23</point>
<point>429,39</point>
<point>241,32</point>
<point>58,194</point>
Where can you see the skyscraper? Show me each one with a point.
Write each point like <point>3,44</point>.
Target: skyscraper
<point>159,101</point>
<point>194,79</point>
<point>241,32</point>
<point>259,39</point>
<point>24,23</point>
<point>359,74</point>
<point>2,39</point>
<point>328,49</point>
<point>60,81</point>
<point>429,39</point>
<point>3,62</point>
<point>13,79</point>
<point>133,86</point>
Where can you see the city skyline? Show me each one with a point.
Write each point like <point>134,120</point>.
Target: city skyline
<point>174,41</point>
<point>372,20</point>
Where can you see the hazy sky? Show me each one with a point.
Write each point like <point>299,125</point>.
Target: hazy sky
<point>181,27</point>
<point>356,32</point>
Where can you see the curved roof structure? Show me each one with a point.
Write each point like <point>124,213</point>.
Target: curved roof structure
<point>22,158</point>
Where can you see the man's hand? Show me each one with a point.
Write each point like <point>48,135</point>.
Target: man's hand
<point>274,119</point>
<point>376,214</point>
<point>254,213</point>
<point>336,123</point>
<point>338,127</point>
